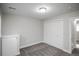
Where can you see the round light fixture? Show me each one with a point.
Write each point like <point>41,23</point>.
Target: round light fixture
<point>42,9</point>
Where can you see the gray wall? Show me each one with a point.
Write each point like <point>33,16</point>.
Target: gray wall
<point>77,36</point>
<point>30,30</point>
<point>0,33</point>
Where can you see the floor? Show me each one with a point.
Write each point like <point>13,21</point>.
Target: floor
<point>43,49</point>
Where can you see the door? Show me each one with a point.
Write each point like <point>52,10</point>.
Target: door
<point>53,33</point>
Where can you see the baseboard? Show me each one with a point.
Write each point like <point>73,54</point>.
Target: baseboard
<point>18,53</point>
<point>66,51</point>
<point>59,48</point>
<point>30,44</point>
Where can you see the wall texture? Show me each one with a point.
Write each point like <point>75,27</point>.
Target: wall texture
<point>30,30</point>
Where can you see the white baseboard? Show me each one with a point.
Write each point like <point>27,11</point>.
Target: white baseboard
<point>30,44</point>
<point>58,48</point>
<point>66,51</point>
<point>18,53</point>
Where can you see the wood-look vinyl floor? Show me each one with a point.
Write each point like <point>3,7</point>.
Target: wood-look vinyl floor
<point>42,49</point>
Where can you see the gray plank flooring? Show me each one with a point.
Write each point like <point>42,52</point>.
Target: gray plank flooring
<point>42,49</point>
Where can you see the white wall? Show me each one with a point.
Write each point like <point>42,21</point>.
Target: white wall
<point>31,30</point>
<point>0,33</point>
<point>67,31</point>
<point>67,36</point>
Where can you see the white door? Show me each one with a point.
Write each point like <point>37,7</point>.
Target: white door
<point>53,33</point>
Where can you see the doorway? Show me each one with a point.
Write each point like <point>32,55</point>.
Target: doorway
<point>76,33</point>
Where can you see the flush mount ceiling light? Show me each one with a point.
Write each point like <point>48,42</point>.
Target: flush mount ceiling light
<point>42,9</point>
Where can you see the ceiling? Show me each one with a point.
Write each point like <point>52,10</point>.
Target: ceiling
<point>29,9</point>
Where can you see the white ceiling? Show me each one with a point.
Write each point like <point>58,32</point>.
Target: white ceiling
<point>29,9</point>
